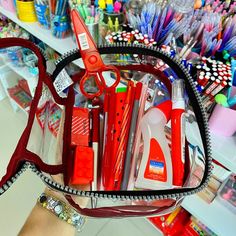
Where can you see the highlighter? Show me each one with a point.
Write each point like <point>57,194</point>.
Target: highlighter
<point>117,7</point>
<point>178,132</point>
<point>102,4</point>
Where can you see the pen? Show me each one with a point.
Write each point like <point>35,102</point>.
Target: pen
<point>110,23</point>
<point>129,151</point>
<point>95,146</point>
<point>185,48</point>
<point>116,24</point>
<point>121,150</point>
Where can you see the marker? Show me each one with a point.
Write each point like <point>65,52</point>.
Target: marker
<point>178,132</point>
<point>102,4</point>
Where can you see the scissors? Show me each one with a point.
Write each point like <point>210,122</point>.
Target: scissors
<point>94,65</point>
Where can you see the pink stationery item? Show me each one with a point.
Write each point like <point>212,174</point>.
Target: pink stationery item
<point>117,7</point>
<point>8,5</point>
<point>223,119</point>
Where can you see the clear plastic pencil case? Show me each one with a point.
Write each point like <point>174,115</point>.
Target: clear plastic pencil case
<point>135,149</point>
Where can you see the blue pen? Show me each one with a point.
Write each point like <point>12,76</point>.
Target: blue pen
<point>162,20</point>
<point>168,39</point>
<point>233,66</point>
<point>168,28</point>
<point>232,53</point>
<point>171,78</point>
<point>184,62</point>
<point>150,31</point>
<point>190,66</point>
<point>155,21</point>
<point>200,88</point>
<point>213,44</point>
<point>226,36</point>
<point>96,4</point>
<point>143,31</point>
<point>172,53</point>
<point>232,101</point>
<point>230,46</point>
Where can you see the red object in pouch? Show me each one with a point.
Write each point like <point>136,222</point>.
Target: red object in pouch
<point>178,132</point>
<point>80,127</point>
<point>172,224</point>
<point>83,166</point>
<point>94,66</point>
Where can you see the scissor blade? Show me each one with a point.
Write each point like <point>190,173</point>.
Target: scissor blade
<point>83,36</point>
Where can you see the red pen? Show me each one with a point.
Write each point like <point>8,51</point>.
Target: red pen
<point>108,136</point>
<point>95,146</point>
<point>95,141</point>
<point>123,140</point>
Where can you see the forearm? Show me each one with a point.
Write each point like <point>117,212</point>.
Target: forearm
<point>42,222</point>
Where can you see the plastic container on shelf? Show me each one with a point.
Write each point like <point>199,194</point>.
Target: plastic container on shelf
<point>94,31</point>
<point>8,5</point>
<point>183,6</point>
<point>222,121</point>
<point>134,6</point>
<point>15,56</point>
<point>91,18</point>
<point>43,13</point>
<point>26,11</point>
<point>112,22</point>
<point>227,193</point>
<point>60,20</point>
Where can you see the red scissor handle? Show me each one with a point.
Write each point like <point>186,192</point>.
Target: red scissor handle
<point>100,80</point>
<point>92,60</point>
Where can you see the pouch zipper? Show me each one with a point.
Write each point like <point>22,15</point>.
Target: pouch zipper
<point>148,196</point>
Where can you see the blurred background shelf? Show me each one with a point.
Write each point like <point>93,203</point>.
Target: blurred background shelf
<point>22,71</point>
<point>215,215</point>
<point>223,148</point>
<point>60,45</point>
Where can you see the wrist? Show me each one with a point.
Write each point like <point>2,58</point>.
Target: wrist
<point>57,205</point>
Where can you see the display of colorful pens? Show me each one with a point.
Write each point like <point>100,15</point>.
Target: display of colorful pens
<point>134,37</point>
<point>60,20</point>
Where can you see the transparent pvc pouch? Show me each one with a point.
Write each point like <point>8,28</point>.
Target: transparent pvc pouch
<point>45,144</point>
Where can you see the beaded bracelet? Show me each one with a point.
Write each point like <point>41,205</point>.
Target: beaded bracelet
<point>62,211</point>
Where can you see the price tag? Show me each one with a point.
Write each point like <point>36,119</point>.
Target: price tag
<point>62,81</point>
<point>83,41</point>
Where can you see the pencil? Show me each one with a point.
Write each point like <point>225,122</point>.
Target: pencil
<point>129,150</point>
<point>123,136</point>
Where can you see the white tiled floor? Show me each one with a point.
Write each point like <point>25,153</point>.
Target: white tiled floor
<point>17,202</point>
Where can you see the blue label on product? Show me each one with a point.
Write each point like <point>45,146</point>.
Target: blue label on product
<point>156,167</point>
<point>42,12</point>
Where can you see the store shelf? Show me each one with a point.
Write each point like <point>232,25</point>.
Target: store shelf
<point>25,110</point>
<point>223,148</point>
<point>217,217</point>
<point>23,72</point>
<point>60,45</point>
